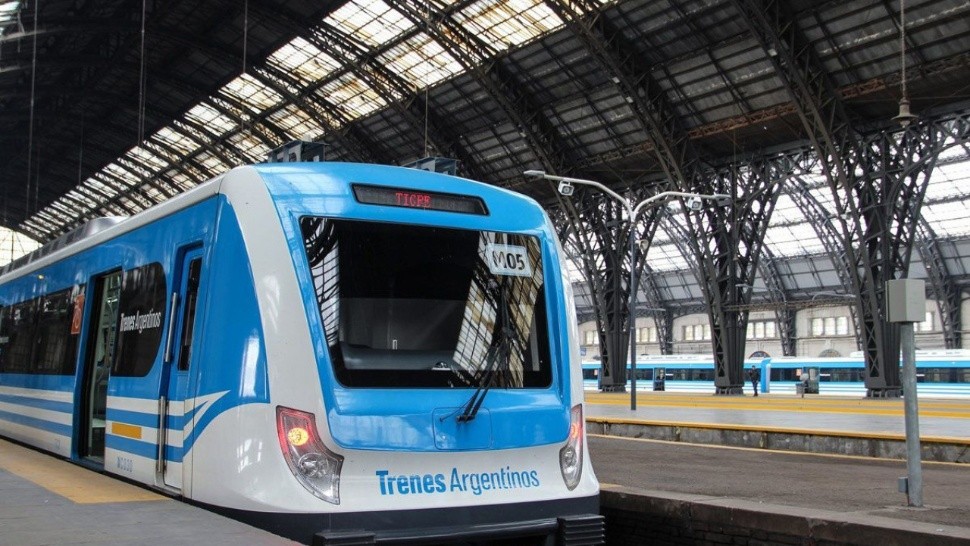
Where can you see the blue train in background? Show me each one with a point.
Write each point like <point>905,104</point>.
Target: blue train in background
<point>320,349</point>
<point>940,373</point>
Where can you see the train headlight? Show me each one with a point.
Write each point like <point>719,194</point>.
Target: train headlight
<point>571,455</point>
<point>315,467</point>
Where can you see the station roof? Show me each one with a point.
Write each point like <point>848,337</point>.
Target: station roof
<point>110,106</point>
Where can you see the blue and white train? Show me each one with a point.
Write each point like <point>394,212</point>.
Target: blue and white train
<point>939,373</point>
<point>323,349</point>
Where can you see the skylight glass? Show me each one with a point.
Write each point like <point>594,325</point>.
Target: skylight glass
<point>351,95</point>
<point>370,21</point>
<point>296,123</point>
<point>8,15</point>
<point>421,61</point>
<point>211,119</point>
<point>251,93</point>
<point>176,140</point>
<point>14,244</point>
<point>304,61</point>
<point>253,148</point>
<point>508,24</point>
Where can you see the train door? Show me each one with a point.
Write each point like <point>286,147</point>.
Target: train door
<point>178,361</point>
<point>97,365</point>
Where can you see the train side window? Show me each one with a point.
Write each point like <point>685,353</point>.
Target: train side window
<point>56,344</point>
<point>142,305</point>
<point>188,320</point>
<point>19,326</point>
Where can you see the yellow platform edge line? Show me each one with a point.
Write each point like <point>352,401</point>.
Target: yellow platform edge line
<point>778,430</point>
<point>74,483</point>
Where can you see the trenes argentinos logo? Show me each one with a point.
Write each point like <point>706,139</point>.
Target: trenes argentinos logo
<point>139,321</point>
<point>456,482</point>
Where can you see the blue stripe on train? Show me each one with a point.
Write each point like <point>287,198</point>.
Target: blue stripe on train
<point>63,407</point>
<point>148,450</point>
<point>42,424</point>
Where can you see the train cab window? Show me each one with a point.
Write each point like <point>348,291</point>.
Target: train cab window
<point>415,306</point>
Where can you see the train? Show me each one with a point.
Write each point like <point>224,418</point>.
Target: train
<point>330,351</point>
<point>943,373</point>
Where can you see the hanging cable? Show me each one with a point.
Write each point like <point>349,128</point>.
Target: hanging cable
<point>30,128</point>
<point>905,116</point>
<point>245,44</point>
<point>141,80</point>
<point>427,87</point>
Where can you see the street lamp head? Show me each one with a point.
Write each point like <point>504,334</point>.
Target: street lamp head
<point>566,188</point>
<point>722,200</point>
<point>694,203</point>
<point>534,173</point>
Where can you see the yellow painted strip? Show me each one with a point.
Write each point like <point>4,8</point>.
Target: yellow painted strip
<point>70,481</point>
<point>767,403</point>
<point>777,430</point>
<point>126,430</point>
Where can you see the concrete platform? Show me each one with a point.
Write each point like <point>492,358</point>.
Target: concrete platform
<point>841,426</point>
<point>668,492</point>
<point>687,487</point>
<point>47,501</point>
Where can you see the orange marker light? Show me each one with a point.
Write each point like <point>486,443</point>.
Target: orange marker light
<point>298,436</point>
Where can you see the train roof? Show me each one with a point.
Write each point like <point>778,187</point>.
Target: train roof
<point>290,174</point>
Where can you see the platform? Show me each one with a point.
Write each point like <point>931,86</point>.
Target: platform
<point>47,501</point>
<point>686,492</point>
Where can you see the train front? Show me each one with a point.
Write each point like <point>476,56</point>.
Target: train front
<point>446,399</point>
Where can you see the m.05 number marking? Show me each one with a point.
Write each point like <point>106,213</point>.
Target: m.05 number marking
<point>508,260</point>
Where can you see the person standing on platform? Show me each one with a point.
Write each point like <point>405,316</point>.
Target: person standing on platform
<point>754,374</point>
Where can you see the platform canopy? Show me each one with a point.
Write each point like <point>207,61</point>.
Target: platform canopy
<point>110,106</point>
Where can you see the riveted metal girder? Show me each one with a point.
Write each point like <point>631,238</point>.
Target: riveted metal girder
<point>398,93</point>
<point>728,243</point>
<point>877,181</point>
<point>826,225</point>
<point>941,286</point>
<point>478,59</point>
<point>673,150</point>
<point>778,295</point>
<point>593,227</point>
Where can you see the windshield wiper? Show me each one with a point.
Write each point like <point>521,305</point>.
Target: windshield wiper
<point>500,352</point>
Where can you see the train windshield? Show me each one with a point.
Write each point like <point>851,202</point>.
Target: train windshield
<point>416,306</point>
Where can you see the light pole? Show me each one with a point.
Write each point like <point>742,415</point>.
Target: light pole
<point>694,203</point>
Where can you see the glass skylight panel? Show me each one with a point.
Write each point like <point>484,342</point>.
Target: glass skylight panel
<point>949,218</point>
<point>793,240</point>
<point>508,24</point>
<point>251,93</point>
<point>370,21</point>
<point>153,193</point>
<point>212,163</point>
<point>183,180</point>
<point>421,61</point>
<point>145,157</point>
<point>176,140</point>
<point>351,95</point>
<point>666,257</point>
<point>120,173</point>
<point>297,123</point>
<point>254,149</point>
<point>304,61</point>
<point>8,15</point>
<point>211,119</point>
<point>15,245</point>
<point>100,186</point>
<point>949,180</point>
